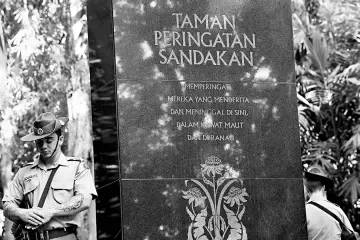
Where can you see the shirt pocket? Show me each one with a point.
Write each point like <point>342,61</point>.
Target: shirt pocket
<point>62,190</point>
<point>31,185</point>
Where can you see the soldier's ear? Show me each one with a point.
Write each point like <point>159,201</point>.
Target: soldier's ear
<point>61,139</point>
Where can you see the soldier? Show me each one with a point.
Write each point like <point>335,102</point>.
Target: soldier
<point>325,220</point>
<point>57,188</point>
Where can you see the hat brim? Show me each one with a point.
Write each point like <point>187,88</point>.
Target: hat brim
<point>32,137</point>
<point>328,182</point>
<point>62,121</point>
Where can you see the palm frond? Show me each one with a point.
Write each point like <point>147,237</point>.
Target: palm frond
<point>318,96</point>
<point>305,119</point>
<point>308,82</point>
<point>318,48</point>
<point>324,153</point>
<point>350,188</point>
<point>354,141</point>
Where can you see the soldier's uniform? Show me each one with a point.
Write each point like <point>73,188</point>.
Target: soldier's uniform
<point>73,176</point>
<point>322,226</point>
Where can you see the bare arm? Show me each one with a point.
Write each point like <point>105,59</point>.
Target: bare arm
<point>84,193</point>
<point>76,204</point>
<point>79,202</point>
<point>30,216</point>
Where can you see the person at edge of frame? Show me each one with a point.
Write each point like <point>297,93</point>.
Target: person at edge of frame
<point>71,191</point>
<point>320,225</point>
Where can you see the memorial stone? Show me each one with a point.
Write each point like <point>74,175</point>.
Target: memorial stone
<point>208,141</point>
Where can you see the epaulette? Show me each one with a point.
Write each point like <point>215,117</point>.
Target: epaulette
<point>27,164</point>
<point>336,205</point>
<point>332,203</point>
<point>75,159</point>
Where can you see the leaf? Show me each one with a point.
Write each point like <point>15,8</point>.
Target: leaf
<point>191,215</point>
<point>318,49</point>
<point>316,96</point>
<point>305,118</point>
<point>232,219</point>
<point>351,188</point>
<point>220,181</point>
<point>189,232</point>
<point>244,237</point>
<point>353,143</point>
<point>310,106</point>
<point>241,214</point>
<point>200,223</point>
<point>203,237</point>
<point>299,30</point>
<point>234,234</point>
<point>211,223</point>
<point>237,230</point>
<point>208,182</point>
<point>325,153</point>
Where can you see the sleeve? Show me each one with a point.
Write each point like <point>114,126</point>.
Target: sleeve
<point>346,220</point>
<point>84,182</point>
<point>15,191</point>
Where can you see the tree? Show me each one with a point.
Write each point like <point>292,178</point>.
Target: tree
<point>78,95</point>
<point>326,39</point>
<point>47,71</point>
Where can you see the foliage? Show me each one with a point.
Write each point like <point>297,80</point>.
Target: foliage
<point>327,54</point>
<point>35,68</point>
<point>46,57</point>
<point>327,51</point>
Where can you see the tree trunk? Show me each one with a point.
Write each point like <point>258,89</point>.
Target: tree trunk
<point>7,130</point>
<point>78,101</point>
<point>2,66</point>
<point>6,135</point>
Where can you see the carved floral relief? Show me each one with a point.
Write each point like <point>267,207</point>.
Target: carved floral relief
<point>215,204</point>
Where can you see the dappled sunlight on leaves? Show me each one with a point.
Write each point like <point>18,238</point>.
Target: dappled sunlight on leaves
<point>327,67</point>
<point>351,188</point>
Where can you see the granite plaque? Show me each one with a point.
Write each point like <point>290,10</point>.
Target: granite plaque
<point>208,140</point>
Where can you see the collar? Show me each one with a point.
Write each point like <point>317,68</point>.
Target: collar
<point>62,161</point>
<point>317,197</point>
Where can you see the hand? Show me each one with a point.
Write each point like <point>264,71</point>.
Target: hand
<point>32,217</point>
<point>31,227</point>
<point>46,213</point>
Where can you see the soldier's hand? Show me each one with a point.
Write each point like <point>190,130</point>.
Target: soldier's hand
<point>46,213</point>
<point>31,227</point>
<point>32,216</point>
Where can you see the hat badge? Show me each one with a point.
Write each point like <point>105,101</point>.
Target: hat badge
<point>40,131</point>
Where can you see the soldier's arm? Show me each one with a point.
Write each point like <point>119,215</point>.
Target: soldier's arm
<point>12,199</point>
<point>79,202</point>
<point>84,194</point>
<point>29,216</point>
<point>84,191</point>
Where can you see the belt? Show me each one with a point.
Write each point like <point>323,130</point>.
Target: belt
<point>50,234</point>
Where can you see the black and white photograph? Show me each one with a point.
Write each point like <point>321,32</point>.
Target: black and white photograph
<point>180,119</point>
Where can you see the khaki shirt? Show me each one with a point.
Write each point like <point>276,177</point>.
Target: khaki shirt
<point>73,176</point>
<point>322,226</point>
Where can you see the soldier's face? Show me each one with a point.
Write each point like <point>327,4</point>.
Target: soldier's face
<point>48,145</point>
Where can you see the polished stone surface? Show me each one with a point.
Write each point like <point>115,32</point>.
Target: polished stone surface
<point>104,119</point>
<point>161,210</point>
<point>150,35</point>
<point>178,168</point>
<point>166,129</point>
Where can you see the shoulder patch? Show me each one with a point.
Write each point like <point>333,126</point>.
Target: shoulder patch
<point>86,165</point>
